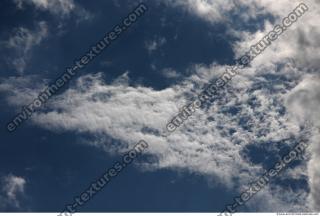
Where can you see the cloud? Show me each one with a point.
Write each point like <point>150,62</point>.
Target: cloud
<point>24,39</point>
<point>211,143</point>
<point>278,199</point>
<point>267,103</point>
<point>13,187</point>
<point>18,90</point>
<point>60,8</point>
<point>210,10</point>
<point>153,45</point>
<point>21,42</point>
<point>296,52</point>
<point>205,144</point>
<point>129,113</point>
<point>303,102</point>
<point>224,11</point>
<point>170,73</point>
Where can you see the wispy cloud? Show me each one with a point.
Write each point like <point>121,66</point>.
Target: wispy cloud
<point>153,45</point>
<point>61,7</point>
<point>12,188</point>
<point>21,42</point>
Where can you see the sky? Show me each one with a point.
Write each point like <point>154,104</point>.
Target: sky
<point>132,90</point>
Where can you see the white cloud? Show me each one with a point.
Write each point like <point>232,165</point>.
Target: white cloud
<point>153,45</point>
<point>13,187</point>
<point>277,199</point>
<point>217,11</point>
<point>252,106</point>
<point>60,8</point>
<point>303,102</point>
<point>203,145</point>
<point>22,41</point>
<point>127,114</point>
<point>211,10</point>
<point>19,89</point>
<point>170,73</point>
<point>296,52</point>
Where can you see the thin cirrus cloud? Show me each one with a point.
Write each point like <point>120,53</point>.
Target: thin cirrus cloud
<point>21,42</point>
<point>153,45</point>
<point>13,187</point>
<point>61,7</point>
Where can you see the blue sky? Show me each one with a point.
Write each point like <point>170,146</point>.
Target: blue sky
<point>130,92</point>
